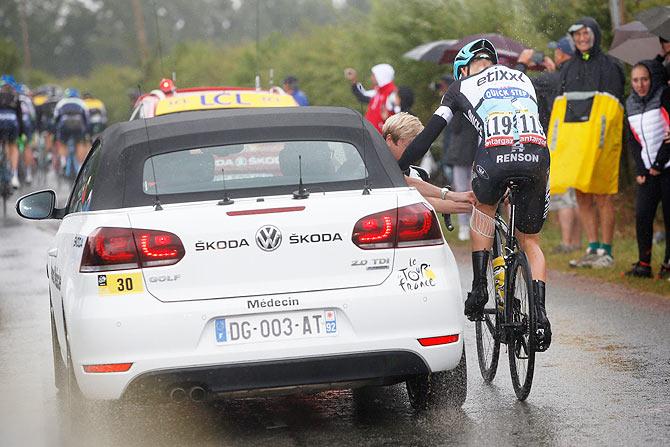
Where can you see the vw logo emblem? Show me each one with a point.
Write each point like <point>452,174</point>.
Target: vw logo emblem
<point>268,238</point>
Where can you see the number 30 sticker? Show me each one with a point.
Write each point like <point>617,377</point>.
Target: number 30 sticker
<point>120,284</point>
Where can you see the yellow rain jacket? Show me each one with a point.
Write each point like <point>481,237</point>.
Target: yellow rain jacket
<point>585,155</point>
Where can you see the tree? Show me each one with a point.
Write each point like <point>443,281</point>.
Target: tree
<point>9,57</point>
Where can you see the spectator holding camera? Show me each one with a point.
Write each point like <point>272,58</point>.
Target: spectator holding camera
<point>548,85</point>
<point>648,108</point>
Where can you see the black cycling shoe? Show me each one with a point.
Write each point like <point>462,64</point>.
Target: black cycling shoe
<point>543,326</point>
<point>639,271</point>
<point>477,299</point>
<point>474,305</point>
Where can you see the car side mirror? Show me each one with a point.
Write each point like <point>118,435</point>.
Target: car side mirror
<point>39,205</point>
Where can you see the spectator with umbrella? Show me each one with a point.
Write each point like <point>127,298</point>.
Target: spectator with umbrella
<point>663,58</point>
<point>657,21</point>
<point>548,85</point>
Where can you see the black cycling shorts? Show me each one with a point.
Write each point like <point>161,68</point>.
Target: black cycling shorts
<point>9,125</point>
<point>494,166</point>
<point>63,134</point>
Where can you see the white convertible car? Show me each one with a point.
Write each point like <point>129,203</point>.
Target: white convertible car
<point>243,252</point>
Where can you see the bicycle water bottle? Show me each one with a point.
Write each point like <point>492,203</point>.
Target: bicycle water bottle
<point>499,280</point>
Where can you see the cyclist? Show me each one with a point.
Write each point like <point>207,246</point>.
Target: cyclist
<point>97,113</point>
<point>71,123</point>
<point>28,116</point>
<point>11,126</point>
<point>45,100</point>
<point>501,104</point>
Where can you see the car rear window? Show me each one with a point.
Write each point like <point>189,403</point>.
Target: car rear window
<point>257,165</point>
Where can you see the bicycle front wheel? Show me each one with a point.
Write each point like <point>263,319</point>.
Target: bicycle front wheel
<point>487,329</point>
<point>520,305</point>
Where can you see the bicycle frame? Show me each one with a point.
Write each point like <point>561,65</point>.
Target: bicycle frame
<point>5,177</point>
<point>509,250</point>
<point>511,320</point>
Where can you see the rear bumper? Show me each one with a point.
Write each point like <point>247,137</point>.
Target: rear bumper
<point>378,327</point>
<point>375,367</point>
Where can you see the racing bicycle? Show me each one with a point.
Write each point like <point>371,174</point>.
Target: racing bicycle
<point>71,168</point>
<point>5,177</point>
<point>509,316</point>
<point>42,159</point>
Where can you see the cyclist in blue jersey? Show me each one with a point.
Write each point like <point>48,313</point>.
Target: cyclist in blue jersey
<point>71,121</point>
<point>501,104</point>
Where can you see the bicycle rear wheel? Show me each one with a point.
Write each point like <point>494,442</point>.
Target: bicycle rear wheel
<point>5,188</point>
<point>520,305</point>
<point>487,330</point>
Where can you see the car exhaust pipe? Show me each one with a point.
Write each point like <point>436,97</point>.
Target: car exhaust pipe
<point>178,394</point>
<point>197,394</point>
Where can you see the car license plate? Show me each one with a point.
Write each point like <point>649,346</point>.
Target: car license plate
<point>270,327</point>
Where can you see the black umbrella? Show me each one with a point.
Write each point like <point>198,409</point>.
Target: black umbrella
<point>657,21</point>
<point>508,49</point>
<point>632,43</point>
<point>430,52</point>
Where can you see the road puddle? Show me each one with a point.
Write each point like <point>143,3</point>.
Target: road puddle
<point>615,356</point>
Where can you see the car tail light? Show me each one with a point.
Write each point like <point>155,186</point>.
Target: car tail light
<point>376,230</point>
<point>158,247</point>
<point>417,226</point>
<point>408,226</point>
<point>107,368</point>
<point>124,248</point>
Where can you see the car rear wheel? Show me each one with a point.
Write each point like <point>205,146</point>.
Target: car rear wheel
<point>439,389</point>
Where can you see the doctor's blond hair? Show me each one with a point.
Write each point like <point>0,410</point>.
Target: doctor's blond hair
<point>402,125</point>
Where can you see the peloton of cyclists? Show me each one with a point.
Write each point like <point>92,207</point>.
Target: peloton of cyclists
<point>501,105</point>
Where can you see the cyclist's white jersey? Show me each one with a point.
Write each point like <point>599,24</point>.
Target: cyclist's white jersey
<point>68,106</point>
<point>501,104</point>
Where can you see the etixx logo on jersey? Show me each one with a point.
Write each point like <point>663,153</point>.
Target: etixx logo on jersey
<point>500,75</point>
<point>268,238</point>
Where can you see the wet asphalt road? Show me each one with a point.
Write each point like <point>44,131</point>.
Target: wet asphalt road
<point>605,381</point>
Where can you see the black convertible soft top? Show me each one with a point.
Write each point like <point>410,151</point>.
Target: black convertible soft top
<point>124,147</point>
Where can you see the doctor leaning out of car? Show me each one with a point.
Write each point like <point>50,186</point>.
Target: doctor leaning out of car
<point>399,130</point>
